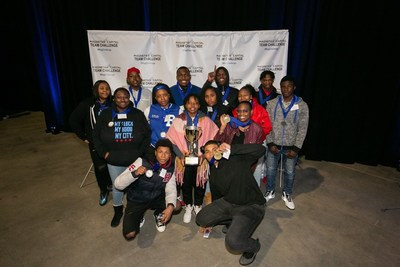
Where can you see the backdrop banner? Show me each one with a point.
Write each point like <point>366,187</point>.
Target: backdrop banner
<point>159,54</point>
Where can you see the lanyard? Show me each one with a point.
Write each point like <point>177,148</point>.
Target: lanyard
<point>189,119</point>
<point>114,113</point>
<point>226,94</point>
<point>165,112</point>
<point>260,96</point>
<point>102,106</point>
<point>136,102</point>
<point>286,111</point>
<point>187,90</point>
<point>214,114</point>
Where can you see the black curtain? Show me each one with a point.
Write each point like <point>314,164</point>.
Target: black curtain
<point>343,54</point>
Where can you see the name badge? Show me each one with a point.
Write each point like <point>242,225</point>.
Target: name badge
<point>163,172</point>
<point>225,103</point>
<point>210,109</point>
<point>122,116</point>
<point>295,107</point>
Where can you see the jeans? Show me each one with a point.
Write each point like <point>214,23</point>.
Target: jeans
<point>288,170</point>
<point>259,172</point>
<point>117,194</point>
<point>242,220</point>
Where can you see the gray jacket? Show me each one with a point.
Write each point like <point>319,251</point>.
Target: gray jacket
<point>291,131</point>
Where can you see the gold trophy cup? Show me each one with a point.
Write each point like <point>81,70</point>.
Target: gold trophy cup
<point>192,134</point>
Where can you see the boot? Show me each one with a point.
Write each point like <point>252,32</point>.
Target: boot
<point>118,212</point>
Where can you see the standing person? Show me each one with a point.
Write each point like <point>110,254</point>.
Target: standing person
<point>160,114</point>
<point>191,177</point>
<point>211,104</point>
<point>149,184</point>
<point>260,116</point>
<point>238,201</point>
<point>266,90</point>
<point>183,87</point>
<point>140,97</point>
<point>240,130</point>
<point>221,77</point>
<point>121,135</point>
<point>82,121</point>
<point>289,116</point>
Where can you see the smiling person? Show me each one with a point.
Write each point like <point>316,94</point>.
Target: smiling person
<point>221,78</point>
<point>82,121</point>
<point>289,115</point>
<point>192,176</point>
<point>140,97</point>
<point>149,185</point>
<point>121,135</point>
<point>238,201</point>
<point>211,104</point>
<point>183,87</point>
<point>266,90</point>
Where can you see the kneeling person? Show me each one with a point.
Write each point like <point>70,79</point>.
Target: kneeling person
<point>149,185</point>
<point>237,198</point>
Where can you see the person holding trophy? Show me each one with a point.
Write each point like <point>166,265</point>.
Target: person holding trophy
<point>188,132</point>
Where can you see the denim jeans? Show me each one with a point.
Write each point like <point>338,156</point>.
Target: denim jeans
<point>242,220</point>
<point>117,194</point>
<point>288,170</point>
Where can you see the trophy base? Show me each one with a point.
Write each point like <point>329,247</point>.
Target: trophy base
<point>191,161</point>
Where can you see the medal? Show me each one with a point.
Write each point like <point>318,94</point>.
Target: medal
<point>149,173</point>
<point>163,134</point>
<point>218,155</point>
<point>111,124</point>
<point>227,119</point>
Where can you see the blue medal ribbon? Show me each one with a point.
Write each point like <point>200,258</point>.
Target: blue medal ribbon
<point>214,114</point>
<point>189,119</point>
<point>136,102</point>
<point>165,112</point>
<point>183,95</point>
<point>226,94</point>
<point>260,96</point>
<point>285,111</point>
<point>235,121</point>
<point>102,106</point>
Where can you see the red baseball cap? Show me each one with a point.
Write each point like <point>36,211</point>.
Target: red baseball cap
<point>133,69</point>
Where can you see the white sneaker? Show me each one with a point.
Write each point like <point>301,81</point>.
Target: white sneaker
<point>197,209</point>
<point>187,217</point>
<point>142,222</point>
<point>159,224</point>
<point>288,201</point>
<point>269,195</point>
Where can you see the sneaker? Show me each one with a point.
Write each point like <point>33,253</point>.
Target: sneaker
<point>159,224</point>
<point>248,257</point>
<point>269,195</point>
<point>288,200</point>
<point>187,217</point>
<point>142,222</point>
<point>103,198</point>
<point>197,209</point>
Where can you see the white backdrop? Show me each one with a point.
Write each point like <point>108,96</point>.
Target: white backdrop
<point>158,55</point>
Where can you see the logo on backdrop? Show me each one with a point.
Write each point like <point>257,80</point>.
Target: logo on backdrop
<point>196,70</point>
<point>189,45</point>
<point>106,70</point>
<point>103,45</point>
<point>147,58</point>
<point>272,44</point>
<point>231,58</point>
<point>235,81</point>
<point>151,82</point>
<point>271,67</point>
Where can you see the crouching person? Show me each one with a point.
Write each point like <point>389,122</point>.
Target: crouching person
<point>149,185</point>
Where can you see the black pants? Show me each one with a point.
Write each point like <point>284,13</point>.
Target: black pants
<point>100,169</point>
<point>189,187</point>
<point>134,213</point>
<point>243,221</point>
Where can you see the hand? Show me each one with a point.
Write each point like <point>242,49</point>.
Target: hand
<point>291,154</point>
<point>211,75</point>
<point>167,214</point>
<point>141,170</point>
<point>224,147</point>
<point>86,141</point>
<point>106,155</point>
<point>274,150</point>
<point>222,119</point>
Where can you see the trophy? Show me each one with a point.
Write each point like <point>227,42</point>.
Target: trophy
<point>192,134</point>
